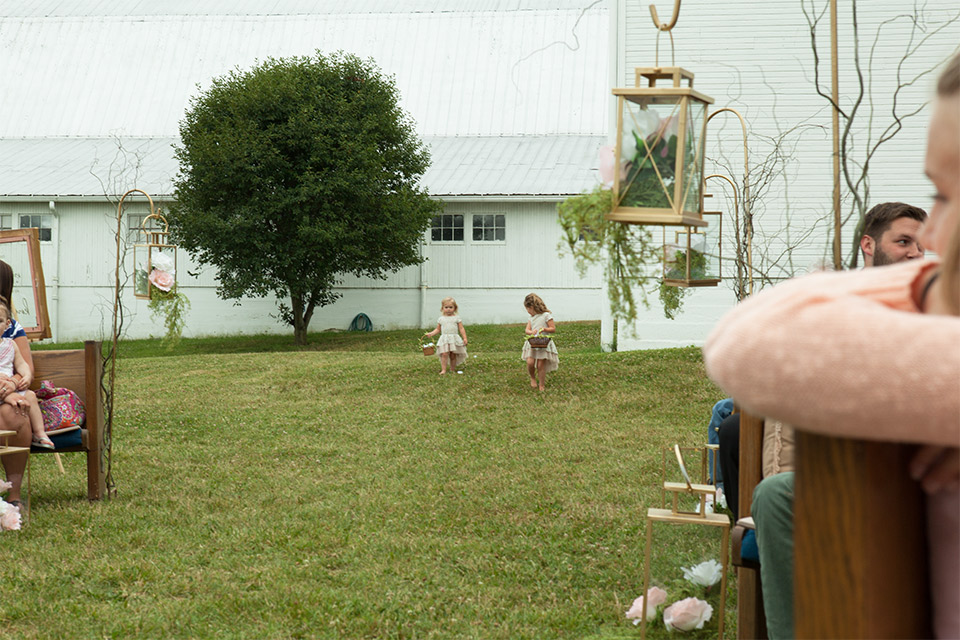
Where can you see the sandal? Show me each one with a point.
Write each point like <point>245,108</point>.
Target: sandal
<point>42,442</point>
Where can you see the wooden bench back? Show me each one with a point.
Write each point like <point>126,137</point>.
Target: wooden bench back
<point>860,559</point>
<point>860,553</point>
<point>80,370</point>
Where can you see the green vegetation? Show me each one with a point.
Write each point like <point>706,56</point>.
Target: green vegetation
<point>628,249</point>
<point>345,490</point>
<point>296,172</point>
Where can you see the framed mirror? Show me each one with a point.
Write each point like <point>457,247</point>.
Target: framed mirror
<point>20,249</point>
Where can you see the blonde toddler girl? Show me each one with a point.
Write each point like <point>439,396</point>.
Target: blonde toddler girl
<point>451,347</point>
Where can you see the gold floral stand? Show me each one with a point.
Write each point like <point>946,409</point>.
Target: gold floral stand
<point>675,515</point>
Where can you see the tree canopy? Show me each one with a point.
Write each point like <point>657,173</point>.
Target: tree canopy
<point>295,173</point>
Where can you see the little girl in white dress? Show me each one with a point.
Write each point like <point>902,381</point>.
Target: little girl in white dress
<point>452,343</point>
<point>540,361</point>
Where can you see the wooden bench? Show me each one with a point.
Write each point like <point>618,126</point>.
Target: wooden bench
<point>860,553</point>
<point>79,370</point>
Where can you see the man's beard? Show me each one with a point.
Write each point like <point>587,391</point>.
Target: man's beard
<point>880,258</point>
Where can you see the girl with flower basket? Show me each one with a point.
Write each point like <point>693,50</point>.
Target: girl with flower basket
<point>538,348</point>
<point>452,343</point>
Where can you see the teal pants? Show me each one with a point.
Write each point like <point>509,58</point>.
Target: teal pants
<point>772,511</point>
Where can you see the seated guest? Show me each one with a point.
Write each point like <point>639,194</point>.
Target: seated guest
<point>891,232</point>
<point>14,418</point>
<point>898,327</point>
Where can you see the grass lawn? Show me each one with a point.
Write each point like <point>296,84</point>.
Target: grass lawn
<point>345,490</point>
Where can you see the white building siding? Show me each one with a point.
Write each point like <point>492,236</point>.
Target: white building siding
<point>756,57</point>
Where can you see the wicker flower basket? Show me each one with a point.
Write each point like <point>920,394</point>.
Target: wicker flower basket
<point>429,348</point>
<point>539,342</point>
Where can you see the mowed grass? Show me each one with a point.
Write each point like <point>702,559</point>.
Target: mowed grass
<point>345,490</point>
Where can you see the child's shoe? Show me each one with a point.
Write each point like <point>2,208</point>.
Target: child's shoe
<point>43,442</point>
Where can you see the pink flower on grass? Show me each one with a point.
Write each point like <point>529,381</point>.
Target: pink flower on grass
<point>5,486</point>
<point>655,597</point>
<point>688,614</point>
<point>9,517</point>
<point>161,280</point>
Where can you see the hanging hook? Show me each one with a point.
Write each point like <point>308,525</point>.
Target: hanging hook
<point>663,26</point>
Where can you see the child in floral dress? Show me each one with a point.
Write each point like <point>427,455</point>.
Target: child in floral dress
<point>452,343</point>
<point>540,361</point>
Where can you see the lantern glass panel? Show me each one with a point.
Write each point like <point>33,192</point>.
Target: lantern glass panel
<point>20,248</point>
<point>648,151</point>
<point>692,149</point>
<point>703,255</point>
<point>149,258</point>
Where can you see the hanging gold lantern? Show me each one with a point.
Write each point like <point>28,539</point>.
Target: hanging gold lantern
<point>154,259</point>
<point>694,256</point>
<point>660,150</point>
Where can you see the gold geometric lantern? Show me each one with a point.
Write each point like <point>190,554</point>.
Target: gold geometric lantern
<point>693,256</point>
<point>154,258</point>
<point>660,150</point>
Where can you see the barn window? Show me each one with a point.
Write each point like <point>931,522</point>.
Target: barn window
<point>489,228</point>
<point>447,228</point>
<point>44,223</point>
<point>6,222</point>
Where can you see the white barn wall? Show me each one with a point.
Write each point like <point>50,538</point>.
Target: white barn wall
<point>756,58</point>
<point>489,280</point>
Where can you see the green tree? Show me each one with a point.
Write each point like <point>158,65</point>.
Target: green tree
<point>295,173</point>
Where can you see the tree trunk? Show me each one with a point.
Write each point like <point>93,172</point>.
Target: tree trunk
<point>299,324</point>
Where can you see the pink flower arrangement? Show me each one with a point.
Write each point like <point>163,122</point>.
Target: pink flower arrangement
<point>687,614</point>
<point>654,598</point>
<point>161,280</point>
<point>9,517</point>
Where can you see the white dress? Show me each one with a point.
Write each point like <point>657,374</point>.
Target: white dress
<point>449,340</point>
<point>548,353</point>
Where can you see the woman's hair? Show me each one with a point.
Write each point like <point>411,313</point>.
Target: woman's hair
<point>451,300</point>
<point>6,285</point>
<point>948,87</point>
<point>535,302</point>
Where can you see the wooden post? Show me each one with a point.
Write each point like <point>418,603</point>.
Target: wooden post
<point>751,622</point>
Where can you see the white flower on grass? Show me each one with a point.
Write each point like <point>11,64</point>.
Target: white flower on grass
<point>686,615</point>
<point>705,574</point>
<point>655,597</point>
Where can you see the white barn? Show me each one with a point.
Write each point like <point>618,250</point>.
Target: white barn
<point>510,96</point>
<point>513,96</point>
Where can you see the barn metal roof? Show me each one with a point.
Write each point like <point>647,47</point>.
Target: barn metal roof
<point>509,166</point>
<point>47,8</point>
<point>98,68</point>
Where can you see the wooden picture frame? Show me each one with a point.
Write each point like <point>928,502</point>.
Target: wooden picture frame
<point>20,248</point>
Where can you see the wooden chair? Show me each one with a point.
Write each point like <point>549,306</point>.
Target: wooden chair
<point>79,370</point>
